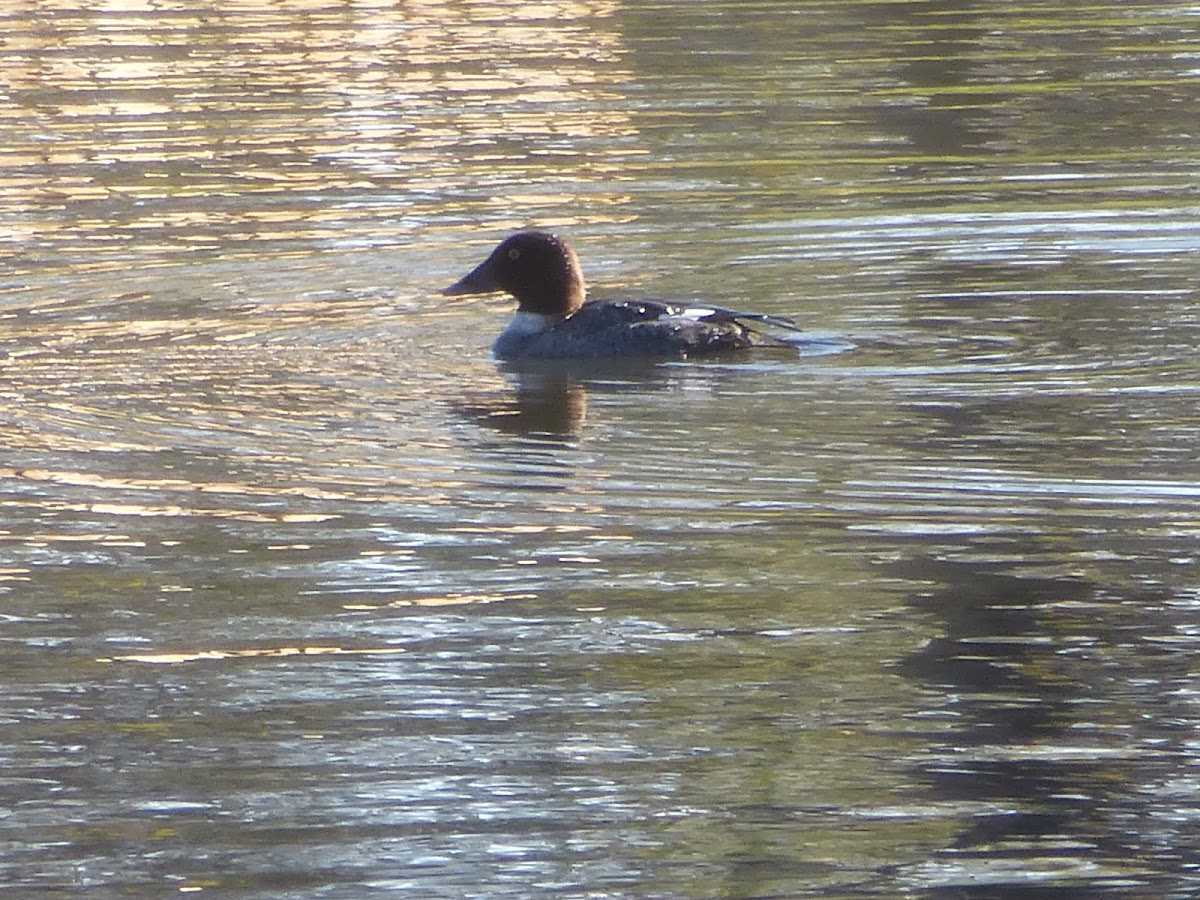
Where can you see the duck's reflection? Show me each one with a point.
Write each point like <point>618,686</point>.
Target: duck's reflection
<point>547,400</point>
<point>541,405</point>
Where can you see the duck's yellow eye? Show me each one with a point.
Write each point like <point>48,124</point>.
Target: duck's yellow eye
<point>514,253</point>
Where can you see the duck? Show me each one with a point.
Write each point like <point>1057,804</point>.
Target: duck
<point>555,320</point>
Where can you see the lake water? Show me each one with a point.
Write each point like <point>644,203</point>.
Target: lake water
<point>303,595</point>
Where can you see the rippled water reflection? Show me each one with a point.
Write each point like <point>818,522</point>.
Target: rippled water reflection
<point>303,594</point>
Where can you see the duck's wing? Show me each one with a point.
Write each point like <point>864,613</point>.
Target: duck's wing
<point>596,315</point>
<point>628,312</point>
<point>720,314</point>
<point>640,328</point>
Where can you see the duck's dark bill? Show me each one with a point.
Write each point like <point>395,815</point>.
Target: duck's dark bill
<point>479,281</point>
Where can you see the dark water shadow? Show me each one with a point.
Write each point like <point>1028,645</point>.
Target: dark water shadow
<point>1056,750</point>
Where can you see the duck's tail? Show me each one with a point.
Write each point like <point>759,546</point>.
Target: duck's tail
<point>769,321</point>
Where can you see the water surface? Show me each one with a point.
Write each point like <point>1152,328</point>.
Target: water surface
<point>304,595</point>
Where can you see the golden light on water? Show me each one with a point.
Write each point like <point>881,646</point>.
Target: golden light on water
<point>175,658</point>
<point>451,599</point>
<point>179,657</point>
<point>394,97</point>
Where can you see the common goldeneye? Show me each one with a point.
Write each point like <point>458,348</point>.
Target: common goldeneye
<point>554,322</point>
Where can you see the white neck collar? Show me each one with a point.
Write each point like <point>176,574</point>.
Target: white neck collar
<point>530,323</point>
